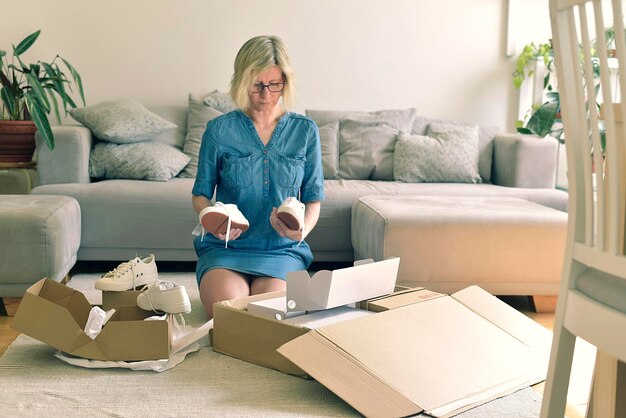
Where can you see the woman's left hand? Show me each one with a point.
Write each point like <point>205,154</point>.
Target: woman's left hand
<point>282,229</point>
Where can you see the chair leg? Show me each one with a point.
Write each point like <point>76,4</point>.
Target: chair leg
<point>559,369</point>
<point>602,402</point>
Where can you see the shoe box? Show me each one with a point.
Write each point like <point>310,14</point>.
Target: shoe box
<point>398,353</point>
<point>113,300</point>
<point>56,314</point>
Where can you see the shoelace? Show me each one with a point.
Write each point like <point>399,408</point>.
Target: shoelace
<point>217,204</point>
<point>303,227</point>
<point>122,269</point>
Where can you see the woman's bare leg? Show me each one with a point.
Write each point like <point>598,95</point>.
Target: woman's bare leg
<point>266,284</point>
<point>221,284</point>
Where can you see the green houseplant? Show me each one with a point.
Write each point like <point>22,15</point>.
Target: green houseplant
<point>544,117</point>
<point>30,92</point>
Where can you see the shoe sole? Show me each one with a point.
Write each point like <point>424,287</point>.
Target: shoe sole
<point>109,285</point>
<point>217,223</point>
<point>290,220</point>
<point>172,308</point>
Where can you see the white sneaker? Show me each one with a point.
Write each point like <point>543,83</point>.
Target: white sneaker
<point>129,275</point>
<point>291,212</point>
<point>221,218</point>
<point>166,297</point>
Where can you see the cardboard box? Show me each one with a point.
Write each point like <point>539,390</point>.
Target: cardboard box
<point>441,356</point>
<point>113,300</point>
<point>56,315</point>
<point>399,299</point>
<point>329,289</point>
<point>275,308</point>
<point>240,334</point>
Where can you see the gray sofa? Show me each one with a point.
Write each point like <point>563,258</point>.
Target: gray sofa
<point>121,218</point>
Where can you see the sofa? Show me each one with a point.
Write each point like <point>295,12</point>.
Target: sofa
<point>125,217</point>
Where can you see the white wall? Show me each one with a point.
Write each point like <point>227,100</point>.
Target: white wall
<point>444,57</point>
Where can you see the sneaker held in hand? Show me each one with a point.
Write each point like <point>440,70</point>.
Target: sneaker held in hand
<point>164,297</point>
<point>129,275</point>
<point>291,212</point>
<point>220,218</point>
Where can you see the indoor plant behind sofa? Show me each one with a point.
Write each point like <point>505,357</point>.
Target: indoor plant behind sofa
<point>121,218</point>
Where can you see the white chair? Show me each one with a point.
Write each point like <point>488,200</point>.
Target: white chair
<point>592,297</point>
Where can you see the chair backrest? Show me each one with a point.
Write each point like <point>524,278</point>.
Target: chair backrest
<point>591,82</point>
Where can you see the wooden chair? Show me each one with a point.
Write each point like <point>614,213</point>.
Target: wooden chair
<point>592,298</point>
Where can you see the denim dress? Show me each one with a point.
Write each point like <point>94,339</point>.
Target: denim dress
<point>236,165</point>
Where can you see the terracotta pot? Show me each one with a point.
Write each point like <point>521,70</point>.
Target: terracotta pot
<point>17,140</point>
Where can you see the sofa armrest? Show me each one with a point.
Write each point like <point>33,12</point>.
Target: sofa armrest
<point>524,161</point>
<point>69,162</point>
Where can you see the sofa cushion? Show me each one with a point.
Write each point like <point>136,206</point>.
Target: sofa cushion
<point>152,161</point>
<point>121,121</point>
<point>486,135</point>
<point>199,115</point>
<point>329,137</point>
<point>220,101</point>
<point>177,114</point>
<point>401,120</point>
<point>448,154</point>
<point>366,150</point>
<point>398,119</point>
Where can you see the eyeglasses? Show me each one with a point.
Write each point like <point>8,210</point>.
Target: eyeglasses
<point>272,87</point>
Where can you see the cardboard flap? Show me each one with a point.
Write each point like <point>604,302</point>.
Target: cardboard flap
<point>329,289</point>
<point>437,354</point>
<point>36,317</point>
<point>143,340</point>
<point>64,296</point>
<point>349,380</point>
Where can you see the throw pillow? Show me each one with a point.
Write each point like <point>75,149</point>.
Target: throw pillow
<point>402,120</point>
<point>121,121</point>
<point>220,101</point>
<point>366,150</point>
<point>330,150</point>
<point>199,115</point>
<point>153,161</point>
<point>486,136</point>
<point>448,154</point>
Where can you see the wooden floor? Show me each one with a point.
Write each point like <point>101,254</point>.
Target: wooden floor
<point>7,334</point>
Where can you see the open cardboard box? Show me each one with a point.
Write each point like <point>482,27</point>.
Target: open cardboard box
<point>238,333</point>
<point>56,315</point>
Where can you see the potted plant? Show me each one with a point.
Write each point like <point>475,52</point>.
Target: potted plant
<point>544,117</point>
<point>30,93</point>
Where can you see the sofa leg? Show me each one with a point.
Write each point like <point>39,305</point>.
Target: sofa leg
<point>3,309</point>
<point>543,303</point>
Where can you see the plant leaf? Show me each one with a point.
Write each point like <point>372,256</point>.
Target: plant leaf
<point>540,123</point>
<point>77,79</point>
<point>33,82</point>
<point>26,43</point>
<point>40,119</point>
<point>55,105</point>
<point>7,99</point>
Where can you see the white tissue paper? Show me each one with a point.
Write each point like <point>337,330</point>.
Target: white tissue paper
<point>185,339</point>
<point>96,320</point>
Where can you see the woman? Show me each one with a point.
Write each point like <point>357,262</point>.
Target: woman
<point>255,158</point>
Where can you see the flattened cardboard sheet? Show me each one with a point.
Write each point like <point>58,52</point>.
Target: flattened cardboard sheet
<point>438,356</point>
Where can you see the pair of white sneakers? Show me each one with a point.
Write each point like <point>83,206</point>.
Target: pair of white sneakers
<point>221,218</point>
<point>157,295</point>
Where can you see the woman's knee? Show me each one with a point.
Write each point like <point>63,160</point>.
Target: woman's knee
<point>266,284</point>
<point>220,284</point>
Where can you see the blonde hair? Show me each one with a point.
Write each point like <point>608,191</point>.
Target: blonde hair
<point>257,55</point>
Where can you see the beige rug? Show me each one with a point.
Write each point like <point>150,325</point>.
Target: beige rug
<point>35,383</point>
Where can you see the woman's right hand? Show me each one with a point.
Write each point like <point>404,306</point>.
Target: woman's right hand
<point>234,234</point>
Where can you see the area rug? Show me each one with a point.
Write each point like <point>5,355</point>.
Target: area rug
<point>35,383</point>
